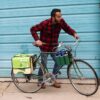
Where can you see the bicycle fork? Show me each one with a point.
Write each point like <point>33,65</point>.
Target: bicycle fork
<point>77,70</point>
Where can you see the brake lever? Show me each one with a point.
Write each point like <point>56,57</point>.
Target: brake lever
<point>60,44</point>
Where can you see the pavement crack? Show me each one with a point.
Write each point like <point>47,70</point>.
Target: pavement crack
<point>2,93</point>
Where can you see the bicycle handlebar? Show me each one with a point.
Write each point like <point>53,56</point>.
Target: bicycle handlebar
<point>62,44</point>
<point>74,44</point>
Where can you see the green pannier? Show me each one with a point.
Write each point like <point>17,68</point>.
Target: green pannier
<point>62,58</point>
<point>23,63</point>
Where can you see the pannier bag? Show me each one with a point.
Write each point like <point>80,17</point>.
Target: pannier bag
<point>23,63</point>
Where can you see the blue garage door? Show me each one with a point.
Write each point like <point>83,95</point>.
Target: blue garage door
<point>17,16</point>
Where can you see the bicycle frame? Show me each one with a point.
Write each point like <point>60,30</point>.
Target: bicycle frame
<point>71,60</point>
<point>70,56</point>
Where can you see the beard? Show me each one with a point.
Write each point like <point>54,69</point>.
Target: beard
<point>56,21</point>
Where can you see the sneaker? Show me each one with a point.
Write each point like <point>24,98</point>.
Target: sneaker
<point>56,85</point>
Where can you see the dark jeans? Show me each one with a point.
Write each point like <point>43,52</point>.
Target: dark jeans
<point>44,57</point>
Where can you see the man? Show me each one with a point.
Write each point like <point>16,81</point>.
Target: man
<point>49,34</point>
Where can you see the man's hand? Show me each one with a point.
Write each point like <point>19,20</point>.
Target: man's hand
<point>38,43</point>
<point>76,36</point>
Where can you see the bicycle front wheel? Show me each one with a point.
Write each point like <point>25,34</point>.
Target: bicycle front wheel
<point>83,77</point>
<point>27,83</point>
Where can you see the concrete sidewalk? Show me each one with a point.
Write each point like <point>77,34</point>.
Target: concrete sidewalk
<point>8,91</point>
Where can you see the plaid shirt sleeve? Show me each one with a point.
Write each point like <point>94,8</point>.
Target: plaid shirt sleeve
<point>67,28</point>
<point>35,29</point>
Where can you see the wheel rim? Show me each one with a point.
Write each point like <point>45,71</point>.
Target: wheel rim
<point>27,83</point>
<point>83,80</point>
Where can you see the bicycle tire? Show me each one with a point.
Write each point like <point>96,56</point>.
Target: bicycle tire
<point>23,81</point>
<point>73,78</point>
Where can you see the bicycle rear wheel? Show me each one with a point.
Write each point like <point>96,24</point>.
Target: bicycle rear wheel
<point>27,83</point>
<point>83,77</point>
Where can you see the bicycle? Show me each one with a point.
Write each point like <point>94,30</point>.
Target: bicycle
<point>77,72</point>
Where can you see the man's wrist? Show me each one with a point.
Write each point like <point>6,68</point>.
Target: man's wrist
<point>37,40</point>
<point>76,36</point>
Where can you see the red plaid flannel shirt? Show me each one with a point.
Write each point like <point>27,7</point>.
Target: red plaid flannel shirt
<point>49,33</point>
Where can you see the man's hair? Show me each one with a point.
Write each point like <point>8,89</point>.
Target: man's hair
<point>53,12</point>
